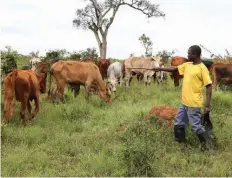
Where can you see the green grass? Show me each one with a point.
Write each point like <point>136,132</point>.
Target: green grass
<point>91,138</point>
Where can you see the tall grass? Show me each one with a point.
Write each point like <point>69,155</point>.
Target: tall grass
<point>91,138</point>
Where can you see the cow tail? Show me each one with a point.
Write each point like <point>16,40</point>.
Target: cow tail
<point>13,78</point>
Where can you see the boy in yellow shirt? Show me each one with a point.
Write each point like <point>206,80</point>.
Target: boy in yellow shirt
<point>196,76</point>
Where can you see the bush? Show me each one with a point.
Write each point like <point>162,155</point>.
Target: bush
<point>9,60</point>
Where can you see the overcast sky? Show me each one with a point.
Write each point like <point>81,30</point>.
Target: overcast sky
<point>30,25</point>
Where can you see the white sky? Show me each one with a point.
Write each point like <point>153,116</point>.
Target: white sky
<point>30,25</point>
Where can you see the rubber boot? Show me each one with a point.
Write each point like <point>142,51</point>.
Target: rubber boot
<point>179,131</point>
<point>205,140</point>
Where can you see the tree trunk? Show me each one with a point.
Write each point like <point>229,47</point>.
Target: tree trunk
<point>103,47</point>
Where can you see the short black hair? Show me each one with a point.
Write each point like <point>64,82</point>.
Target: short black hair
<point>196,49</point>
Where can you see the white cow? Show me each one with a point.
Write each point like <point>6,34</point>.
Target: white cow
<point>114,75</point>
<point>33,62</point>
<point>159,76</point>
<point>140,65</point>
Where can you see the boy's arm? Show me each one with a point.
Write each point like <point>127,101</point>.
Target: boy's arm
<point>208,98</point>
<point>167,69</point>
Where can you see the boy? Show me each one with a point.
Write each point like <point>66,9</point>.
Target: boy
<point>196,76</point>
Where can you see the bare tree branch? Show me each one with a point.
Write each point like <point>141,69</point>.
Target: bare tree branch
<point>212,54</point>
<point>112,18</point>
<point>151,10</point>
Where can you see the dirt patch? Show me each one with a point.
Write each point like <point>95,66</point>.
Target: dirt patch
<point>163,112</point>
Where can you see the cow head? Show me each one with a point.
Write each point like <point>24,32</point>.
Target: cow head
<point>42,81</point>
<point>111,85</point>
<point>105,94</point>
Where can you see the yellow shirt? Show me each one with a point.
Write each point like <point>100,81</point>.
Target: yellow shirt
<point>195,78</point>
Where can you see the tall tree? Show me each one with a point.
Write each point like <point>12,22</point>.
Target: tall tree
<point>147,44</point>
<point>98,17</point>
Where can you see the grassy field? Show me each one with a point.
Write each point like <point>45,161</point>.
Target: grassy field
<point>90,138</point>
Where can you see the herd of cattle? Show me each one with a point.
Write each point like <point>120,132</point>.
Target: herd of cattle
<point>26,84</point>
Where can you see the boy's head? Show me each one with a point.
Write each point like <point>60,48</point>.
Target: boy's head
<point>194,52</point>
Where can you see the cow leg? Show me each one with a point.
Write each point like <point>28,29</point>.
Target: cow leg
<point>157,79</point>
<point>87,90</point>
<point>36,107</point>
<point>23,110</point>
<point>141,77</point>
<point>76,90</point>
<point>176,79</point>
<point>128,78</point>
<point>8,109</point>
<point>145,79</point>
<point>160,77</point>
<point>29,108</point>
<point>13,107</point>
<point>215,83</point>
<point>127,81</point>
<point>53,92</point>
<point>154,77</point>
<point>120,80</point>
<point>60,89</point>
<point>149,80</point>
<point>88,85</point>
<point>138,77</point>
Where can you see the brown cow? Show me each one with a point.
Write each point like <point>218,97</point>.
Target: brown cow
<point>103,65</point>
<point>75,88</point>
<point>177,60</point>
<point>221,72</point>
<point>44,67</point>
<point>23,86</point>
<point>82,73</point>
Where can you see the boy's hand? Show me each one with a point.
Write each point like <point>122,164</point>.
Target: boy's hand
<point>206,109</point>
